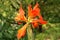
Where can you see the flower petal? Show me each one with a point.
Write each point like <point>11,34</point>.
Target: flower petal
<point>41,20</point>
<point>35,23</point>
<point>22,31</point>
<point>20,15</point>
<point>36,10</point>
<point>30,11</point>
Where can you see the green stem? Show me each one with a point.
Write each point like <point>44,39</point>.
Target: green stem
<point>30,33</point>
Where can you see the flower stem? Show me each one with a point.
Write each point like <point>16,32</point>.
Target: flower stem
<point>30,33</point>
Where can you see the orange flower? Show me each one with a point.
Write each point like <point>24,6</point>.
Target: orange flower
<point>32,14</point>
<point>22,31</point>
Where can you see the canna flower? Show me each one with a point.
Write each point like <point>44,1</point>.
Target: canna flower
<point>32,19</point>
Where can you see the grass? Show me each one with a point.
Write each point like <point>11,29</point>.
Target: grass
<point>52,33</point>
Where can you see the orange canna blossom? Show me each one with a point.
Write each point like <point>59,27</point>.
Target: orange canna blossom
<point>32,14</point>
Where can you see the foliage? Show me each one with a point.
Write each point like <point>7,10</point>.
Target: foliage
<point>50,10</point>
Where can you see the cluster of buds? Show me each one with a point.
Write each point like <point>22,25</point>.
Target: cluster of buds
<point>34,18</point>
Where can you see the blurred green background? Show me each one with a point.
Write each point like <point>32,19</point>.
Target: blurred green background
<point>50,10</point>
